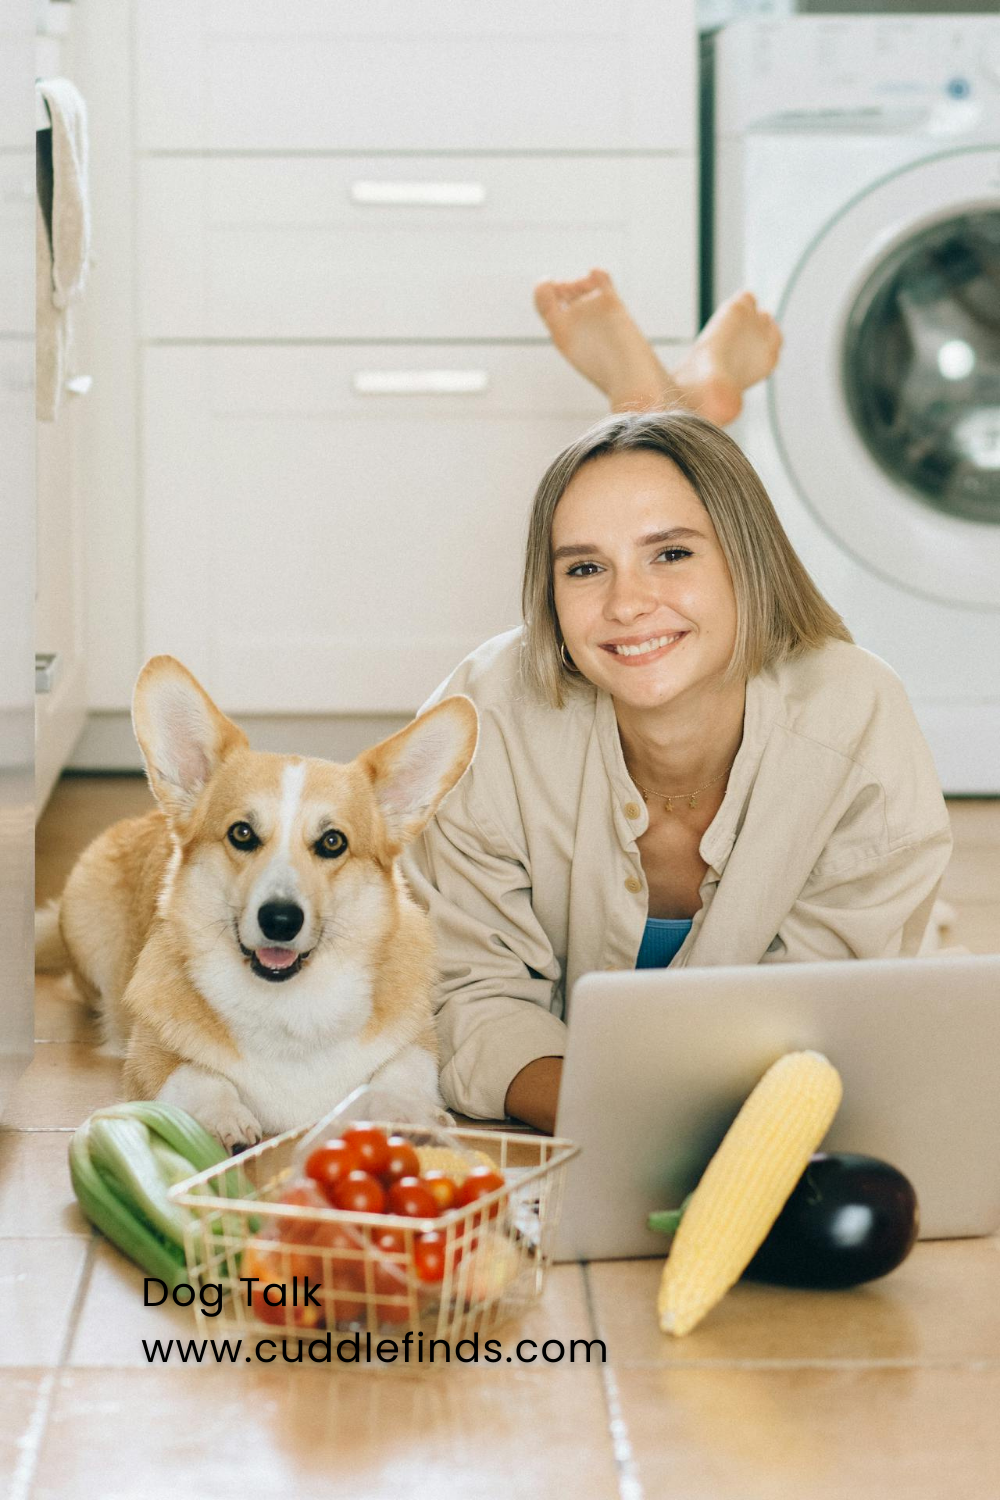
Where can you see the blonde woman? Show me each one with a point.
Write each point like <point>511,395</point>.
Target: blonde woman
<point>683,760</point>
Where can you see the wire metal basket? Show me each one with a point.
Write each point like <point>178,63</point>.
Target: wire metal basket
<point>348,1272</point>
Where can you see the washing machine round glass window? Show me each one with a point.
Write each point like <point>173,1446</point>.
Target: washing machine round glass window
<point>922,365</point>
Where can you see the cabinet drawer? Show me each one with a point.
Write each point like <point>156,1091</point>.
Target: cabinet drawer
<point>384,248</point>
<point>280,75</point>
<point>332,530</point>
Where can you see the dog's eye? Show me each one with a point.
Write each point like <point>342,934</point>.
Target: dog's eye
<point>242,837</point>
<point>331,845</point>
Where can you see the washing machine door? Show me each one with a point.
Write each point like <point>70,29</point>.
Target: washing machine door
<point>886,401</point>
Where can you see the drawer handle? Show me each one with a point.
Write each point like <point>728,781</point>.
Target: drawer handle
<point>419,194</point>
<point>46,671</point>
<point>420,382</point>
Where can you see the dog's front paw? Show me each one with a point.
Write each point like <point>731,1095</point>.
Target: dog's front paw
<point>235,1127</point>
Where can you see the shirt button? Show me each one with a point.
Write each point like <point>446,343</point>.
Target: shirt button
<point>633,810</point>
<point>633,884</point>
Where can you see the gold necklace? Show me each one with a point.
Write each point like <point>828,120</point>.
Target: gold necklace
<point>692,797</point>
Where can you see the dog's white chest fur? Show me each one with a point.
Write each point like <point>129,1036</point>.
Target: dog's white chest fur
<point>300,1049</point>
<point>286,1091</point>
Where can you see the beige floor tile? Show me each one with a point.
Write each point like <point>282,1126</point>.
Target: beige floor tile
<point>60,1014</point>
<point>725,1434</point>
<point>977,926</point>
<point>942,1303</point>
<point>38,1284</point>
<point>973,874</point>
<point>302,1434</point>
<point>36,1197</point>
<point>79,809</point>
<point>66,1081</point>
<point>20,1392</point>
<point>114,1322</point>
<point>975,821</point>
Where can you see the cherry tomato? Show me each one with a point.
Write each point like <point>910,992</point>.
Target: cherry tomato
<point>341,1307</point>
<point>370,1144</point>
<point>267,1269</point>
<point>342,1266</point>
<point>480,1181</point>
<point>330,1163</point>
<point>298,1231</point>
<point>360,1194</point>
<point>410,1197</point>
<point>443,1188</point>
<point>388,1282</point>
<point>388,1241</point>
<point>403,1160</point>
<point>429,1256</point>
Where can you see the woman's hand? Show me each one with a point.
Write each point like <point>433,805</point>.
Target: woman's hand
<point>533,1094</point>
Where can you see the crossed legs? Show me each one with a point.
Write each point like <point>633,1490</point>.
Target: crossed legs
<point>591,326</point>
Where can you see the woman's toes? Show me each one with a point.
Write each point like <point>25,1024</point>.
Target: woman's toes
<point>547,299</point>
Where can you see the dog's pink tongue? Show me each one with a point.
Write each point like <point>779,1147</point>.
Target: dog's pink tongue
<point>276,958</point>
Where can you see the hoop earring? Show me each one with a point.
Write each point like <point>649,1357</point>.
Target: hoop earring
<point>567,660</point>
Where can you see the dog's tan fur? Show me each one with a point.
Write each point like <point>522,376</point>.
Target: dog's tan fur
<point>154,912</point>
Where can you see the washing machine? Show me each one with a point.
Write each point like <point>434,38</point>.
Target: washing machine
<point>857,192</point>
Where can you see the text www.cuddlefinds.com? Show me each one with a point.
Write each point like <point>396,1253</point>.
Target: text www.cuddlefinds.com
<point>355,1348</point>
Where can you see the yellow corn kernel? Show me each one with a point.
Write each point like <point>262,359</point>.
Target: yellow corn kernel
<point>746,1185</point>
<point>455,1164</point>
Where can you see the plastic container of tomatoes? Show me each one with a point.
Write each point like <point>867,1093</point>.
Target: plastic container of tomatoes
<point>308,1252</point>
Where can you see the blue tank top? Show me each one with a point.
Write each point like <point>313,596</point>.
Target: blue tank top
<point>661,940</point>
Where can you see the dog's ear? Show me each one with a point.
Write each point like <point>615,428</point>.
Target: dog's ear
<point>183,736</point>
<point>414,769</point>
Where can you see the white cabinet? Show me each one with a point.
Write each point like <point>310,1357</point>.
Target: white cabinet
<point>313,548</point>
<point>435,75</point>
<point>323,398</point>
<point>404,247</point>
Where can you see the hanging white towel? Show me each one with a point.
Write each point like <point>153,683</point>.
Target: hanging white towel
<point>62,239</point>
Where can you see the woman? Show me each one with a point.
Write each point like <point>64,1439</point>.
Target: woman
<point>681,733</point>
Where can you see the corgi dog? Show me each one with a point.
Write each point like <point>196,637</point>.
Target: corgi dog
<point>251,945</point>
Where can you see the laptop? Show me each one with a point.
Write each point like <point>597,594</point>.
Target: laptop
<point>659,1062</point>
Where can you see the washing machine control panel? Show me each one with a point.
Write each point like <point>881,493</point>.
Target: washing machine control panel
<point>938,75</point>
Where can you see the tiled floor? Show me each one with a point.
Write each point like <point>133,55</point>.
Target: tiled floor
<point>888,1391</point>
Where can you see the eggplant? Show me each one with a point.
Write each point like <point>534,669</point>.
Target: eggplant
<point>850,1219</point>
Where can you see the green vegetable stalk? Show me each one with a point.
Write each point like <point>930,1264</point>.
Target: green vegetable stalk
<point>123,1160</point>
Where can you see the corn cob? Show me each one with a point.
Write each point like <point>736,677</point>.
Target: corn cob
<point>746,1185</point>
<point>122,1162</point>
<point>455,1164</point>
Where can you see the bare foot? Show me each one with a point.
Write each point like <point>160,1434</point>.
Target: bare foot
<point>738,346</point>
<point>593,328</point>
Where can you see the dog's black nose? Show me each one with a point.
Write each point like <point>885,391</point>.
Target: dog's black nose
<point>280,920</point>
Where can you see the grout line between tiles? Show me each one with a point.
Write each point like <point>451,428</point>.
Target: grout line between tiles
<point>82,1288</point>
<point>678,1365</point>
<point>30,1442</point>
<point>629,1484</point>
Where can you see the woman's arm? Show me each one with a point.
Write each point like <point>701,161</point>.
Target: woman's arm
<point>864,902</point>
<point>533,1096</point>
<point>498,1001</point>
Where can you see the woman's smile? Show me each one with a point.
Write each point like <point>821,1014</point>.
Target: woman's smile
<point>642,651</point>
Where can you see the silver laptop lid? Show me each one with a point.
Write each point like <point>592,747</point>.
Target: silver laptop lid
<point>659,1062</point>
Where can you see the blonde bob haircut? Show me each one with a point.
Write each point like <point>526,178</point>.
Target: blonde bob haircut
<point>779,610</point>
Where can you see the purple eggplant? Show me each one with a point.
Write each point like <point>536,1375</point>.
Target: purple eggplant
<point>850,1219</point>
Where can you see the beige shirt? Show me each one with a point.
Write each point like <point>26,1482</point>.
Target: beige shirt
<point>830,843</point>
